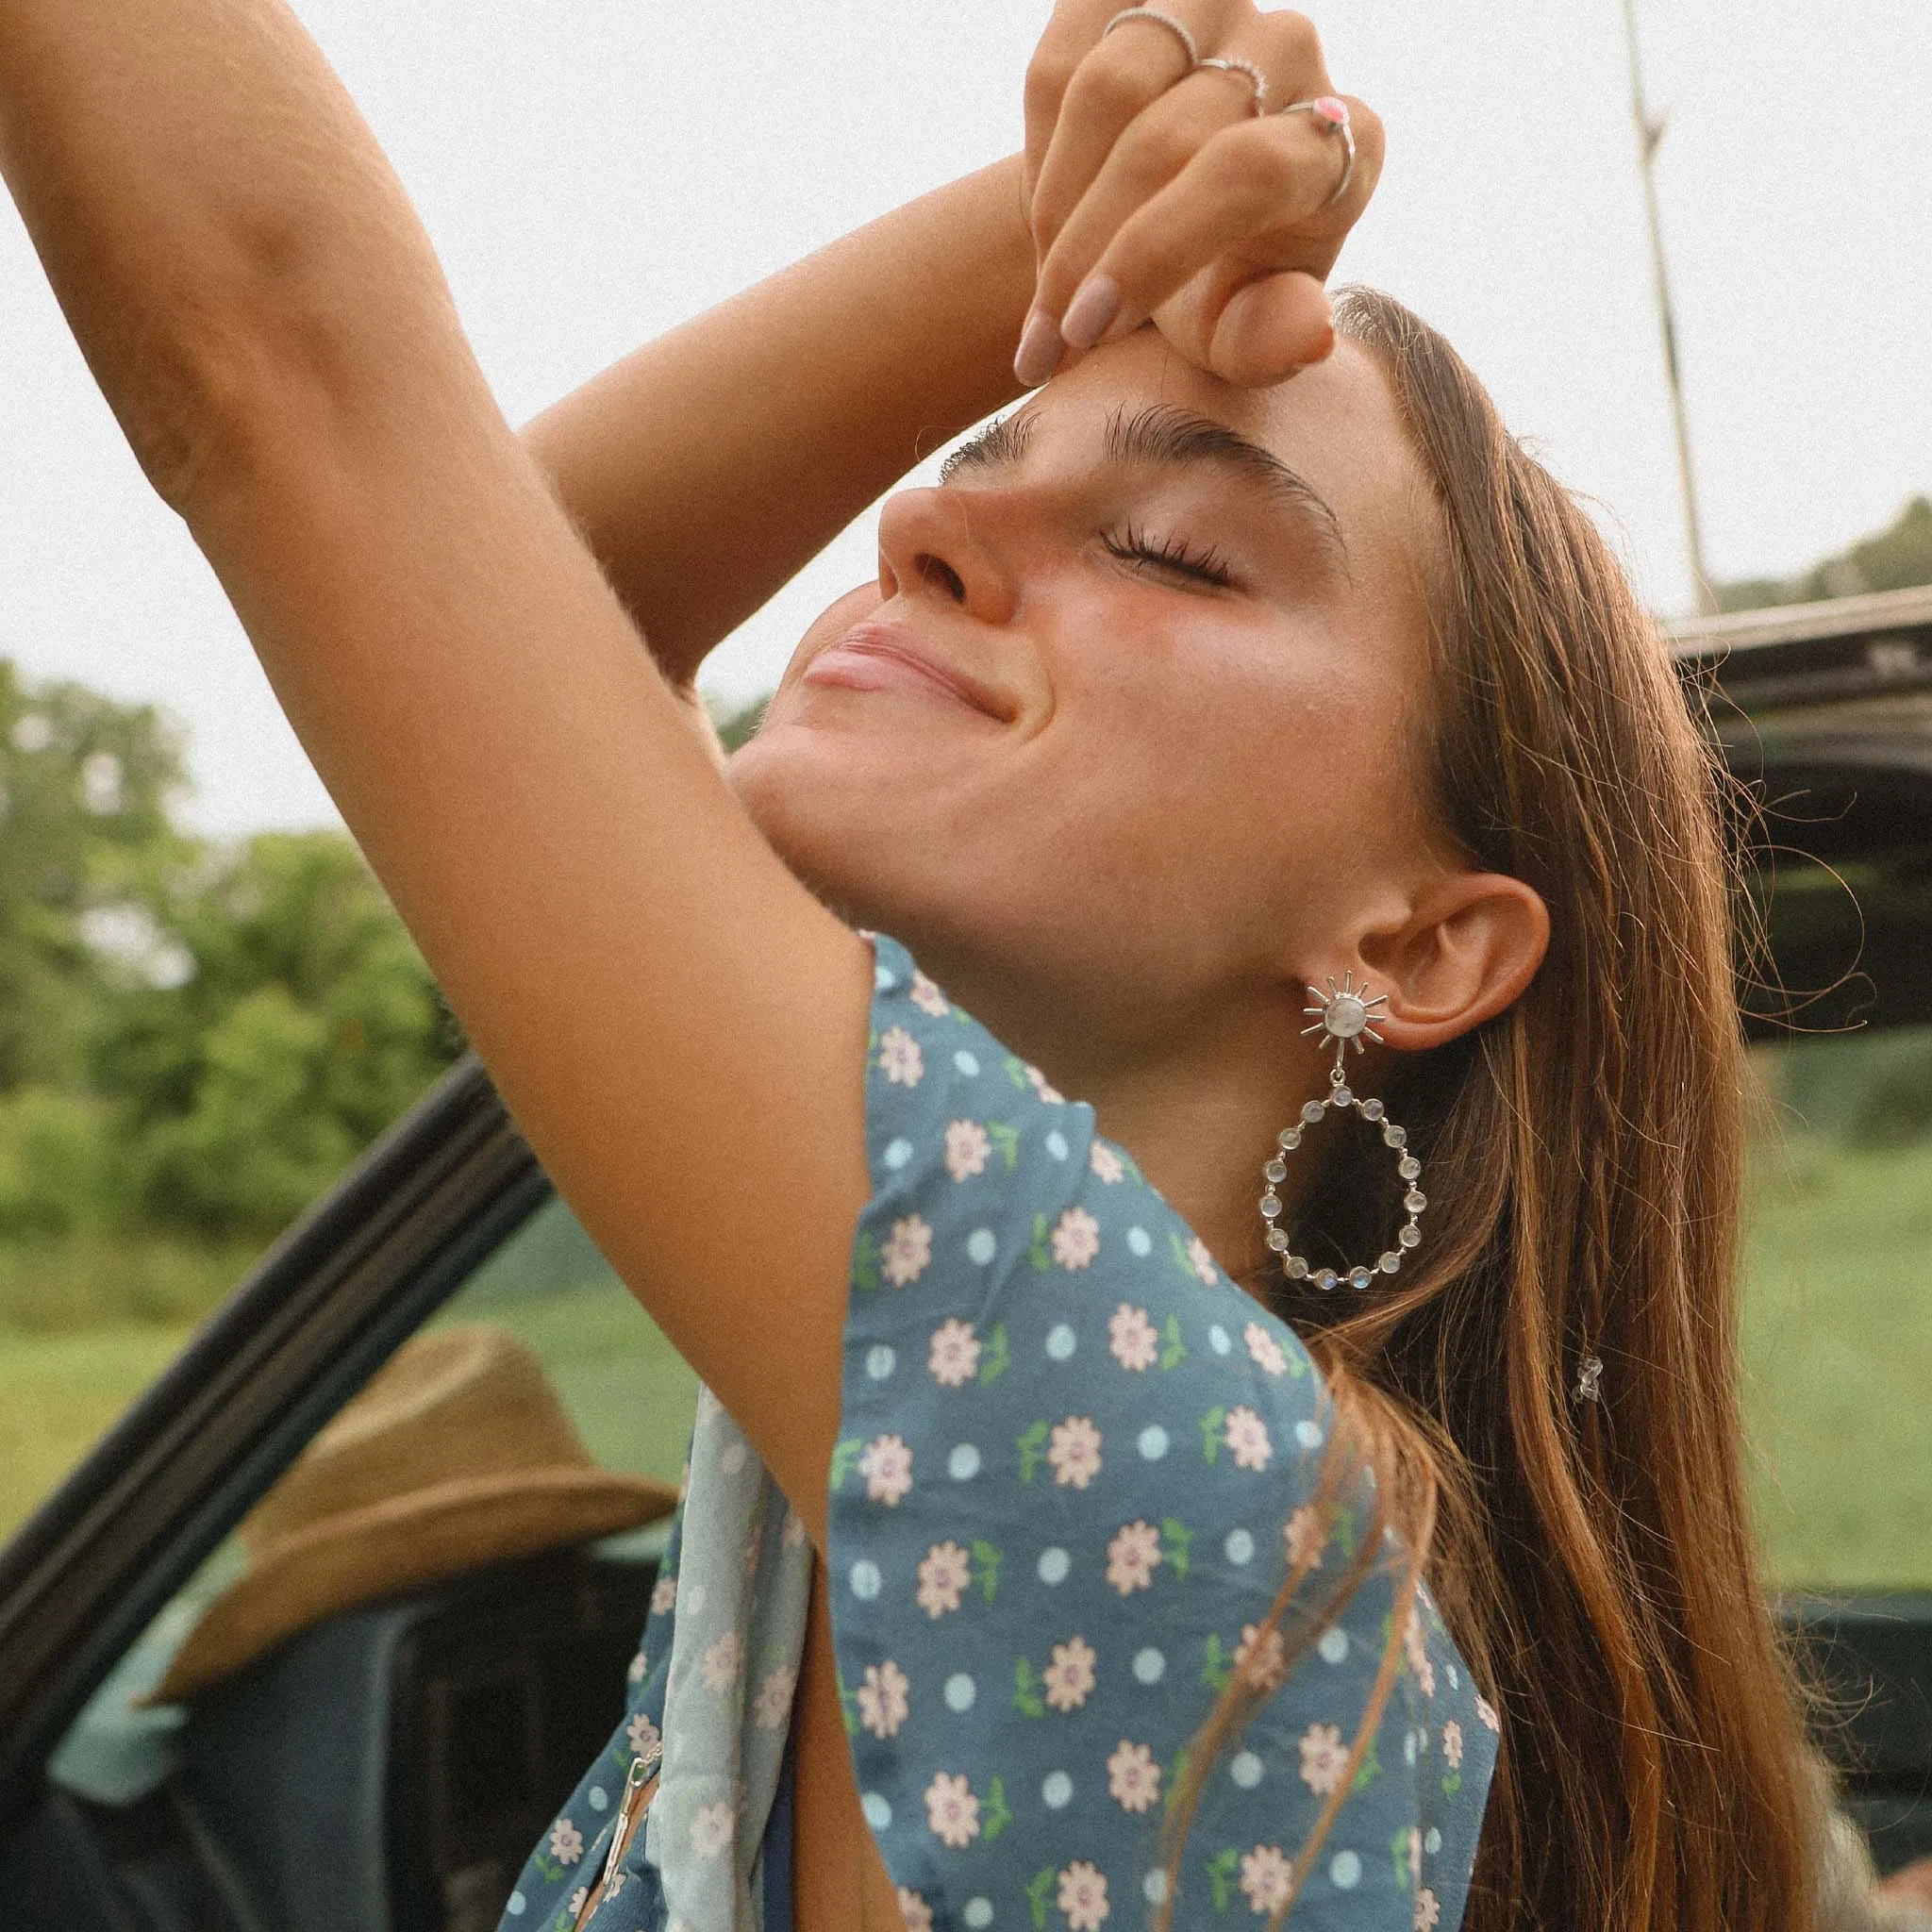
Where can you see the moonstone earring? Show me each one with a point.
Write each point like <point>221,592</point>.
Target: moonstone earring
<point>1344,1013</point>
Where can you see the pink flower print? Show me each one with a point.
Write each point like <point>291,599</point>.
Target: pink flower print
<point>1074,1449</point>
<point>722,1660</point>
<point>1452,1744</point>
<point>1485,1714</point>
<point>881,1698</point>
<point>967,1149</point>
<point>1203,1261</point>
<point>944,1572</point>
<point>792,1536</point>
<point>1076,1239</point>
<point>711,1829</point>
<point>1083,1897</point>
<point>926,997</point>
<point>886,1463</point>
<point>641,1734</point>
<point>1246,1436</point>
<point>1108,1166</point>
<point>906,1255</point>
<point>1131,1337</point>
<point>1267,1877</point>
<point>1324,1758</point>
<point>915,1911</point>
<point>1070,1676</point>
<point>955,1357</point>
<point>663,1595</point>
<point>1040,1087</point>
<point>578,1899</point>
<point>773,1704</point>
<point>1415,1855</point>
<point>900,1058</point>
<point>952,1812</point>
<point>1428,1914</point>
<point>1133,1778</point>
<point>566,1843</point>
<point>1265,1349</point>
<point>1418,1654</point>
<point>1133,1557</point>
<point>1304,1537</point>
<point>639,1665</point>
<point>1261,1656</point>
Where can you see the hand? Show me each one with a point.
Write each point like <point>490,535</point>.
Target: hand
<point>1155,191</point>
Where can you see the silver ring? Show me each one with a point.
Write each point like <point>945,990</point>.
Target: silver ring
<point>1330,112</point>
<point>1233,63</point>
<point>1160,19</point>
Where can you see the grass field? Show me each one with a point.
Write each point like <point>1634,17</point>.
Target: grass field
<point>1838,1364</point>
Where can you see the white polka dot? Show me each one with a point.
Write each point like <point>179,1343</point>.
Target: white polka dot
<point>898,1151</point>
<point>599,1798</point>
<point>1245,1769</point>
<point>733,1458</point>
<point>1139,1241</point>
<point>966,1062</point>
<point>866,1579</point>
<point>960,1692</point>
<point>978,1913</point>
<point>1333,1648</point>
<point>1432,1841</point>
<point>882,979</point>
<point>1061,1342</point>
<point>1057,1144</point>
<point>878,1814</point>
<point>1055,1790</point>
<point>1308,1434</point>
<point>1455,1678</point>
<point>1240,1546</point>
<point>1411,1741</point>
<point>1345,1871</point>
<point>981,1245</point>
<point>1154,1888</point>
<point>1218,1339</point>
<point>962,1465</point>
<point>1153,1442</point>
<point>1054,1565</point>
<point>1148,1665</point>
<point>880,1361</point>
<point>691,1599</point>
<point>517,1905</point>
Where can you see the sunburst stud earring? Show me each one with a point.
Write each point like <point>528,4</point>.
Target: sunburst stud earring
<point>1344,1013</point>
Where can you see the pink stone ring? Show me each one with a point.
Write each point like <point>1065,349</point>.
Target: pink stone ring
<point>1331,113</point>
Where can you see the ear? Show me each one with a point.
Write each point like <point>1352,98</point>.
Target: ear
<point>1472,942</point>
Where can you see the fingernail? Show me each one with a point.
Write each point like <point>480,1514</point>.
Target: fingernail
<point>1090,312</point>
<point>1040,349</point>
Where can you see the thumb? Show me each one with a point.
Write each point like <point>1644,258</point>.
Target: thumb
<point>1248,326</point>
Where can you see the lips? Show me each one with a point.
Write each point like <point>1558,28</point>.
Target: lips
<point>876,656</point>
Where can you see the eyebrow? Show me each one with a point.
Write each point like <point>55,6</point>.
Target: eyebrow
<point>1162,436</point>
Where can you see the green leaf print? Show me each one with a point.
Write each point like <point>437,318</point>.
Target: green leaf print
<point>987,1572</point>
<point>1038,1252</point>
<point>1171,1779</point>
<point>1452,1783</point>
<point>997,1816</point>
<point>1037,1894</point>
<point>1016,1072</point>
<point>846,1455</point>
<point>1006,1139</point>
<point>1173,1350</point>
<point>848,1706</point>
<point>1027,1698</point>
<point>1221,1871</point>
<point>998,1358</point>
<point>1211,1425</point>
<point>1368,1770</point>
<point>1216,1663</point>
<point>1341,1529</point>
<point>1179,1539</point>
<point>1398,1853</point>
<point>865,1263</point>
<point>1032,1448</point>
<point>547,1866</point>
<point>1182,1259</point>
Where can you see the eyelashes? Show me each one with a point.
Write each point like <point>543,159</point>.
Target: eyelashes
<point>1132,546</point>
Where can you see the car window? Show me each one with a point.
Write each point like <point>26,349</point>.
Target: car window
<point>1838,1309</point>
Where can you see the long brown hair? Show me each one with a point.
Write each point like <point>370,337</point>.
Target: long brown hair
<point>1595,1559</point>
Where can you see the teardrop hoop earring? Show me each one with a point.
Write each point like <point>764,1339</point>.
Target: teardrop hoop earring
<point>1344,1013</point>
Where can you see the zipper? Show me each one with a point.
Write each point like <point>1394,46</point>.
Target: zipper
<point>639,1786</point>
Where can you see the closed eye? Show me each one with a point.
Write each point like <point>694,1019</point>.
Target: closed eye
<point>1173,554</point>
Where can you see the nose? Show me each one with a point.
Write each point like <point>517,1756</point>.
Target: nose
<point>931,544</point>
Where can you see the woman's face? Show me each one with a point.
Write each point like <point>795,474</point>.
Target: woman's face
<point>1128,721</point>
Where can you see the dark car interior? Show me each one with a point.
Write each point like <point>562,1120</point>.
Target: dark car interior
<point>389,1769</point>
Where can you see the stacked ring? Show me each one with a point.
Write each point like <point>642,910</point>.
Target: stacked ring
<point>1189,44</point>
<point>1233,63</point>
<point>1332,114</point>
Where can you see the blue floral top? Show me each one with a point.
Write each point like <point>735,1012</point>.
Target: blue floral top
<point>1075,1466</point>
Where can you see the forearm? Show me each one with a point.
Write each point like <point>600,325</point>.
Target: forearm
<point>709,467</point>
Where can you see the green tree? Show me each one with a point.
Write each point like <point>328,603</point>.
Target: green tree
<point>1898,556</point>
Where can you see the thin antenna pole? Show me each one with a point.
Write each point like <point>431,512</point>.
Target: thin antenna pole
<point>1650,134</point>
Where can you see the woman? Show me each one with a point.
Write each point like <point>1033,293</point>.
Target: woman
<point>1194,686</point>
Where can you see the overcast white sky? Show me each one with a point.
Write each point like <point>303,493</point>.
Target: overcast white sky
<point>593,173</point>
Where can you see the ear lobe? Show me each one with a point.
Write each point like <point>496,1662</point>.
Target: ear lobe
<point>1471,945</point>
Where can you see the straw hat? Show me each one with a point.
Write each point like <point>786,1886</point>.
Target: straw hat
<point>457,1454</point>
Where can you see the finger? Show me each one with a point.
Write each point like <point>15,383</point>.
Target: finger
<point>1255,332</point>
<point>1261,190</point>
